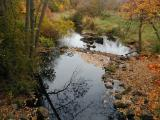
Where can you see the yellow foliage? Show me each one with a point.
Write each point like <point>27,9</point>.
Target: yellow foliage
<point>146,9</point>
<point>55,29</point>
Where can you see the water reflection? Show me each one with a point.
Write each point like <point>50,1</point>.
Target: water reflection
<point>81,89</point>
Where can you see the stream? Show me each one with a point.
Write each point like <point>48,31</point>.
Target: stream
<point>74,82</point>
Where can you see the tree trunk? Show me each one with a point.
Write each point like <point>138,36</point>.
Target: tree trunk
<point>27,25</point>
<point>40,22</point>
<point>156,30</point>
<point>32,26</point>
<point>140,36</point>
<point>40,81</point>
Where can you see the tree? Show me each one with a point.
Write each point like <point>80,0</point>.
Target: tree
<point>91,7</point>
<point>145,11</point>
<point>33,28</point>
<point>45,3</point>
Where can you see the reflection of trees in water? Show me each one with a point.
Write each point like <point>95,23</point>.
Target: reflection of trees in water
<point>67,100</point>
<point>47,71</point>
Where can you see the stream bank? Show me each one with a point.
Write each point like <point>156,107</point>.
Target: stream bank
<point>140,78</point>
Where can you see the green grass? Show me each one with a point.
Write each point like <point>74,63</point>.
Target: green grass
<point>63,15</point>
<point>119,27</point>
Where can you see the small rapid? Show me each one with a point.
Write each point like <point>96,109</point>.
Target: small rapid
<point>108,46</point>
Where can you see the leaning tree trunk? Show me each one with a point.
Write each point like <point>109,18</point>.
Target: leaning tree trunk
<point>140,36</point>
<point>40,23</point>
<point>156,30</point>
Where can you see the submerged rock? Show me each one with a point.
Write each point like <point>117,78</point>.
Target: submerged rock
<point>109,85</point>
<point>42,113</point>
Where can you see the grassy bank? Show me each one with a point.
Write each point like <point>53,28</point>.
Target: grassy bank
<point>126,30</point>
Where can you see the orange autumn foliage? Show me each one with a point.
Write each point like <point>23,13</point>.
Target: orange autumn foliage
<point>154,67</point>
<point>147,9</point>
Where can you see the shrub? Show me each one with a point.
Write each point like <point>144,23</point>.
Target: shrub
<point>105,15</point>
<point>53,6</point>
<point>88,23</point>
<point>46,42</point>
<point>55,29</point>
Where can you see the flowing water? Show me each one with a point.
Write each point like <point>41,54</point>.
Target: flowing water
<point>83,95</point>
<point>108,46</point>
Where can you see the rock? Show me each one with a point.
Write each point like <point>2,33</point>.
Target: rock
<point>110,36</point>
<point>118,96</point>
<point>146,115</point>
<point>91,38</point>
<point>138,93</point>
<point>91,42</point>
<point>129,102</point>
<point>99,40</point>
<point>134,99</point>
<point>130,114</point>
<point>121,116</point>
<point>42,113</point>
<point>119,104</point>
<point>126,91</point>
<point>123,67</point>
<point>31,103</point>
<point>93,46</point>
<point>122,57</point>
<point>122,85</point>
<point>105,68</point>
<point>103,77</point>
<point>109,85</point>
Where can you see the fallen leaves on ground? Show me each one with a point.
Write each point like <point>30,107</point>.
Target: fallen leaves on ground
<point>143,75</point>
